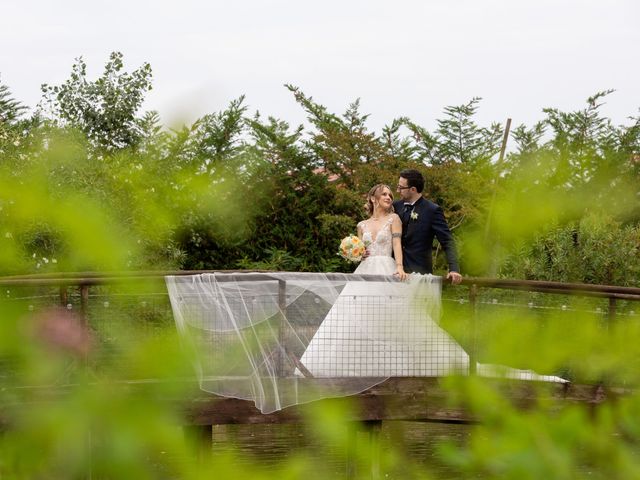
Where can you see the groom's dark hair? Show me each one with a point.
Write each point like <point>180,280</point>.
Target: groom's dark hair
<point>414,179</point>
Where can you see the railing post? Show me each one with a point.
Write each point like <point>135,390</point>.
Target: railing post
<point>374,427</point>
<point>282,307</point>
<point>200,440</point>
<point>84,323</point>
<point>64,297</point>
<point>611,317</point>
<point>84,304</point>
<point>351,466</point>
<point>473,355</point>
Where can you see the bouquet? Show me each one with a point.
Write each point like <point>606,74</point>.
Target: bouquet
<point>352,248</point>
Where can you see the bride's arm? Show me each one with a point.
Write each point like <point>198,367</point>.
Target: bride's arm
<point>396,234</point>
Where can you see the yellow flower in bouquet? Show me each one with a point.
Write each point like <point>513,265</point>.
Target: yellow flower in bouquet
<point>352,248</point>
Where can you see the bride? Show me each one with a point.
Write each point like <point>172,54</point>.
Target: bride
<point>384,327</point>
<point>382,232</point>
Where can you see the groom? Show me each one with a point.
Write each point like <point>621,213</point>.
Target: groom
<point>421,221</point>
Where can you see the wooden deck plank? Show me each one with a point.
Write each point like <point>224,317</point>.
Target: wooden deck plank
<point>413,398</point>
<point>418,399</point>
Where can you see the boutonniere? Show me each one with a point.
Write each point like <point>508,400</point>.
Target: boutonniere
<point>414,215</point>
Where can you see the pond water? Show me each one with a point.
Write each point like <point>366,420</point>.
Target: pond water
<point>408,449</point>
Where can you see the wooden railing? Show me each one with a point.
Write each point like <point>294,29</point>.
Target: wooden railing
<point>613,293</point>
<point>106,278</point>
<point>84,280</point>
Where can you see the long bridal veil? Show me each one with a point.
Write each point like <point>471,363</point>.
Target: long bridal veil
<point>280,339</point>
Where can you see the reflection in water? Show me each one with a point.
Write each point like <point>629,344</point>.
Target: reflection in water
<point>408,447</point>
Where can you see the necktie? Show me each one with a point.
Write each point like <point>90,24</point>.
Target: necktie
<point>405,213</point>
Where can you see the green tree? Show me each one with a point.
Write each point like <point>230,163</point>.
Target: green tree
<point>566,168</point>
<point>10,109</point>
<point>458,137</point>
<point>105,109</point>
<point>341,144</point>
<point>301,214</point>
<point>17,131</point>
<point>596,249</point>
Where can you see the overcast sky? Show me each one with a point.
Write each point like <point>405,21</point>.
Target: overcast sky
<point>401,58</point>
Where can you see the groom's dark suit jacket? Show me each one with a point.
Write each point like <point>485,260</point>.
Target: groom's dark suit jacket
<point>418,234</point>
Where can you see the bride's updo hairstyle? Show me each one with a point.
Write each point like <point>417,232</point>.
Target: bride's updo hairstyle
<point>374,194</point>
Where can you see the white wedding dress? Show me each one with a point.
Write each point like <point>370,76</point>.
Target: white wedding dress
<point>384,328</point>
<point>389,328</point>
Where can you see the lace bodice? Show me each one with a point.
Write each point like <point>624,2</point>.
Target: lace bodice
<point>382,244</point>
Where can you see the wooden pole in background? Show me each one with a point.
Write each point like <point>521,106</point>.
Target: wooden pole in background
<point>503,148</point>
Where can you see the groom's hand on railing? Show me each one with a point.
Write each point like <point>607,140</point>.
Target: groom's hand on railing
<point>454,277</point>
